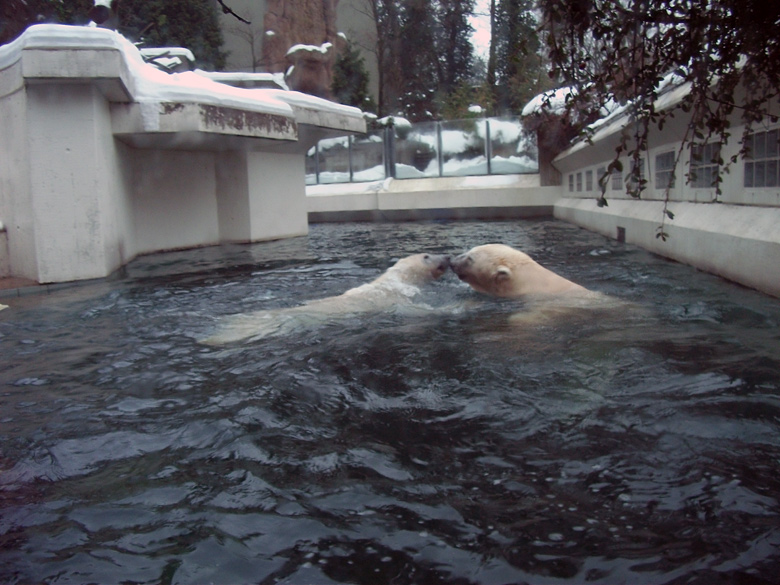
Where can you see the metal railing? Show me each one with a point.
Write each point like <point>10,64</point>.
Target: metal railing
<point>485,146</point>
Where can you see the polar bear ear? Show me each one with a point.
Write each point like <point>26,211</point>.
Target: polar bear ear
<point>502,273</point>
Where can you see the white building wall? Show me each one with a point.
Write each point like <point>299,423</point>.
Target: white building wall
<point>575,165</point>
<point>735,234</point>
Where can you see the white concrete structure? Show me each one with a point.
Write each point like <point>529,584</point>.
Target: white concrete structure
<point>483,197</point>
<point>103,157</point>
<point>735,235</point>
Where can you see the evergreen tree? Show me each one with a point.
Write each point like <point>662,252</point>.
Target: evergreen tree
<point>454,43</point>
<point>17,15</point>
<point>388,49</point>
<point>419,60</point>
<point>458,103</point>
<point>519,67</point>
<point>192,24</point>
<point>424,53</point>
<point>350,80</point>
<point>157,23</point>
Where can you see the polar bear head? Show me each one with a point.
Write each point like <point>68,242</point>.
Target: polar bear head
<point>419,268</point>
<point>502,271</point>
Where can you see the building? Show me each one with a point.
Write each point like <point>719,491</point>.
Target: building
<point>734,233</point>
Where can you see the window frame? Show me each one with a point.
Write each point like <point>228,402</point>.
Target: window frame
<point>761,163</point>
<point>665,176</point>
<point>704,168</point>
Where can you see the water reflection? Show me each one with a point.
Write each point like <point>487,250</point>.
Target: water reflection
<point>443,448</point>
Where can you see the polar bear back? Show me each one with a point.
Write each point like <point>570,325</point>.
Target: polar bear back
<point>396,287</point>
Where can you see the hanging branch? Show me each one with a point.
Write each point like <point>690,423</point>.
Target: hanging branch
<point>227,10</point>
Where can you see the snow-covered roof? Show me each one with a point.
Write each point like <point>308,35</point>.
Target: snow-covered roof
<point>671,91</point>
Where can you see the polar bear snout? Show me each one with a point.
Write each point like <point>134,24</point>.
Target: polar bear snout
<point>439,263</point>
<point>460,265</point>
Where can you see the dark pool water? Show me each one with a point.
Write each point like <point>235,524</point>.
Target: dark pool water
<point>443,447</point>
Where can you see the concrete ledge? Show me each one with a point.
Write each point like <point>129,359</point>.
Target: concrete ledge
<point>196,126</point>
<point>492,197</point>
<point>739,243</point>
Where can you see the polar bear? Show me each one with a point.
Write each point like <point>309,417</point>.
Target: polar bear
<point>395,289</point>
<point>502,271</point>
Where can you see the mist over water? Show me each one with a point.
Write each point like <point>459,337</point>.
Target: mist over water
<point>446,446</point>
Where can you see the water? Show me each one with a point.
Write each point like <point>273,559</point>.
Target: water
<point>640,447</point>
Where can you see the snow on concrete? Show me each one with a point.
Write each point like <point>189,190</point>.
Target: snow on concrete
<point>151,85</point>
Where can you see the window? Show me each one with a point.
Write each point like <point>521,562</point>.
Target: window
<point>589,180</point>
<point>704,165</point>
<point>761,160</point>
<point>571,182</point>
<point>664,170</point>
<point>579,182</point>
<point>617,181</point>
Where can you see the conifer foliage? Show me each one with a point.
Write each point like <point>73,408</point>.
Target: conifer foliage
<point>350,80</point>
<point>176,23</point>
<point>424,52</point>
<point>151,23</point>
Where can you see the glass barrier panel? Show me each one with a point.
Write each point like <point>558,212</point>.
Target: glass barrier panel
<point>333,160</point>
<point>416,151</point>
<point>368,157</point>
<point>512,148</point>
<point>311,166</point>
<point>463,148</point>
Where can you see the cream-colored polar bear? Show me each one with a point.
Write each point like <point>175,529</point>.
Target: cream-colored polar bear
<point>501,271</point>
<point>393,290</point>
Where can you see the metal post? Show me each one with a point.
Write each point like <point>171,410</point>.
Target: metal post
<point>317,162</point>
<point>349,157</point>
<point>389,152</point>
<point>439,154</point>
<point>488,146</point>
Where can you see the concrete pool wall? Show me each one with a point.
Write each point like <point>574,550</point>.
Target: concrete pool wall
<point>104,157</point>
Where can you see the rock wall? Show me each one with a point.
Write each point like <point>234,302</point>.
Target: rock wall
<point>302,22</point>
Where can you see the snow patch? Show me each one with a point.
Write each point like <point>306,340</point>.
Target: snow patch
<point>323,48</point>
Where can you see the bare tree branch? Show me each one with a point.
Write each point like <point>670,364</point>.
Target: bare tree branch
<point>227,10</point>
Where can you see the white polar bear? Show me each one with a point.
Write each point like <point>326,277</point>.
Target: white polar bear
<point>394,289</point>
<point>501,271</point>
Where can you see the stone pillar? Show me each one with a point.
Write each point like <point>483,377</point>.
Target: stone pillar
<point>261,196</point>
<point>71,205</point>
